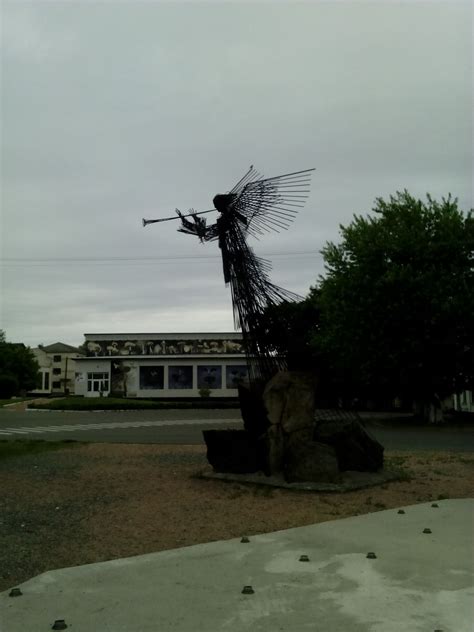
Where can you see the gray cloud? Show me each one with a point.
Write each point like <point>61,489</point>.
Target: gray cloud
<point>117,111</point>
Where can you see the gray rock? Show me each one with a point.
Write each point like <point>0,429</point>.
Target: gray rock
<point>275,449</point>
<point>289,399</point>
<point>310,461</point>
<point>356,449</point>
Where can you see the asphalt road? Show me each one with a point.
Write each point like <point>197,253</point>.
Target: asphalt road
<point>185,427</point>
<point>154,426</point>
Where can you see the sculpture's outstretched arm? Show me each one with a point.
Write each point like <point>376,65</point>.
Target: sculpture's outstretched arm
<point>197,226</point>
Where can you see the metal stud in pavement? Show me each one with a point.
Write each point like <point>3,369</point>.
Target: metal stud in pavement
<point>401,511</point>
<point>304,558</point>
<point>371,555</point>
<point>245,539</point>
<point>248,590</point>
<point>15,592</point>
<point>427,530</point>
<point>59,624</point>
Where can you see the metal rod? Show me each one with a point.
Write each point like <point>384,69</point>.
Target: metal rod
<point>167,219</point>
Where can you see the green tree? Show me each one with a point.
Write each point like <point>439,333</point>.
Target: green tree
<point>288,328</point>
<point>18,368</point>
<point>397,301</point>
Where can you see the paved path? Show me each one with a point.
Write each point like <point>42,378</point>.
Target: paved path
<point>415,581</point>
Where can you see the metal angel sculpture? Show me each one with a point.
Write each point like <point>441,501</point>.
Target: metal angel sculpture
<point>254,206</point>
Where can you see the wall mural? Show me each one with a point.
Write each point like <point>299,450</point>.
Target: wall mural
<point>209,376</point>
<point>160,347</point>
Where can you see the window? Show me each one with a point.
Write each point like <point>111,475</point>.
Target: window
<point>56,371</point>
<point>234,374</point>
<point>209,376</point>
<point>57,358</point>
<point>56,384</point>
<point>180,377</point>
<point>151,377</point>
<point>97,382</point>
<point>46,381</point>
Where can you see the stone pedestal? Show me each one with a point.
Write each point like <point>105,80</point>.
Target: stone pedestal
<point>289,399</point>
<point>356,449</point>
<point>284,437</point>
<point>233,451</point>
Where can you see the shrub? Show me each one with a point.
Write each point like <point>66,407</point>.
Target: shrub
<point>8,386</point>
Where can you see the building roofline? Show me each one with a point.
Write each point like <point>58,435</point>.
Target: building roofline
<point>167,333</point>
<point>174,356</point>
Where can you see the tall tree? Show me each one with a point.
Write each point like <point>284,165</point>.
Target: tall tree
<point>18,368</point>
<point>397,301</point>
<point>287,329</point>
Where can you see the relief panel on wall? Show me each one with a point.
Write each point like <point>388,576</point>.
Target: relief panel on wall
<point>160,347</point>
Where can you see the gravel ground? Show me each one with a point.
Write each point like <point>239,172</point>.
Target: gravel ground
<point>95,502</point>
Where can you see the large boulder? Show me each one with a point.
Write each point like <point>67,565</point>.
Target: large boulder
<point>274,449</point>
<point>252,407</point>
<point>289,399</point>
<point>289,403</point>
<point>356,449</point>
<point>234,451</point>
<point>309,461</point>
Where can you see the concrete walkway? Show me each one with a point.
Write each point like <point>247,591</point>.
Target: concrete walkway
<point>417,581</point>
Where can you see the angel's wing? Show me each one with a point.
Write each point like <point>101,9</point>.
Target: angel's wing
<point>270,203</point>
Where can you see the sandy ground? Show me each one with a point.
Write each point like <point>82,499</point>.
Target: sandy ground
<point>95,502</point>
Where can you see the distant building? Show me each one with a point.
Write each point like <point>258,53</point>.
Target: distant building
<point>161,365</point>
<point>464,402</point>
<point>57,368</point>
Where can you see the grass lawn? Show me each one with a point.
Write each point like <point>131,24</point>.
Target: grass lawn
<point>21,447</point>
<point>116,403</point>
<point>5,402</point>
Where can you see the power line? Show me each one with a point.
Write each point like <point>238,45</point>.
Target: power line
<point>39,261</point>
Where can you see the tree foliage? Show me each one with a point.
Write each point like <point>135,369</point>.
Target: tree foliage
<point>288,328</point>
<point>397,300</point>
<point>18,368</point>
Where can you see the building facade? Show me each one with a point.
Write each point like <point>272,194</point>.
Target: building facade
<point>57,368</point>
<point>464,402</point>
<point>161,365</point>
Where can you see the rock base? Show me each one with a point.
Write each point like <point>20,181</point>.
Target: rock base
<point>235,451</point>
<point>355,448</point>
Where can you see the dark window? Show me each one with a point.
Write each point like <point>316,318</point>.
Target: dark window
<point>180,377</point>
<point>151,377</point>
<point>209,376</point>
<point>46,381</point>
<point>56,384</point>
<point>234,374</point>
<point>56,371</point>
<point>57,358</point>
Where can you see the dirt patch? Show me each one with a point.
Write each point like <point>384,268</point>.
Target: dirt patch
<point>102,501</point>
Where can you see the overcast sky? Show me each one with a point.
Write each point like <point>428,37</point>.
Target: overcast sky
<point>114,111</point>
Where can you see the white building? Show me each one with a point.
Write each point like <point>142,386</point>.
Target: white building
<point>464,402</point>
<point>57,368</point>
<point>161,365</point>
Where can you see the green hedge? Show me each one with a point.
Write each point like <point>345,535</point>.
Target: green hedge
<point>112,403</point>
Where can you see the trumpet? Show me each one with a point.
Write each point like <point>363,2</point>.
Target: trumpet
<point>167,219</point>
